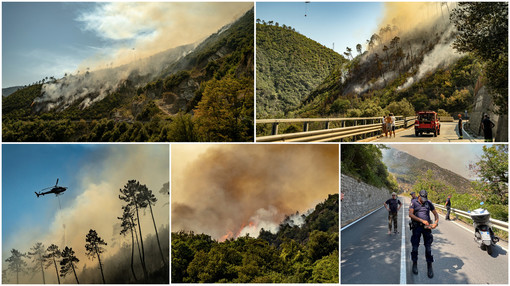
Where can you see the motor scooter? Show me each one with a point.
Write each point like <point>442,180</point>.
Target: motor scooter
<point>484,235</point>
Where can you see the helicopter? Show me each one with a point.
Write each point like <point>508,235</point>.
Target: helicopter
<point>57,190</point>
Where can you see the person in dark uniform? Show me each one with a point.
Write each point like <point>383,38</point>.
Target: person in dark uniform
<point>413,196</point>
<point>419,212</point>
<point>487,126</point>
<point>393,206</point>
<point>460,126</point>
<point>448,205</point>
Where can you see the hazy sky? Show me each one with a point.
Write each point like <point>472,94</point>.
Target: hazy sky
<point>454,157</point>
<point>225,190</point>
<point>49,39</point>
<point>94,174</point>
<point>345,24</point>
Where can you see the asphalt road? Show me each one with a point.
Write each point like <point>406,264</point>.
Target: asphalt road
<point>449,133</point>
<point>371,256</point>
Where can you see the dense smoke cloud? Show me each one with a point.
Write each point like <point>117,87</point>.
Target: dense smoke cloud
<point>230,190</point>
<point>96,204</point>
<point>143,38</point>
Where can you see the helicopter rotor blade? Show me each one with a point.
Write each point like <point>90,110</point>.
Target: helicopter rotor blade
<point>46,188</point>
<point>56,182</point>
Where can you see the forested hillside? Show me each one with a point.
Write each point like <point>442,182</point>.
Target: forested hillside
<point>408,169</point>
<point>206,95</point>
<point>436,65</point>
<point>289,67</point>
<point>295,254</point>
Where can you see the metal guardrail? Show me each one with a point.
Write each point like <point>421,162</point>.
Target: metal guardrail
<point>360,126</point>
<point>495,223</point>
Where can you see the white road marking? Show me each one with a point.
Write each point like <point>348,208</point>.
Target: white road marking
<point>469,230</point>
<point>343,228</point>
<point>403,274</point>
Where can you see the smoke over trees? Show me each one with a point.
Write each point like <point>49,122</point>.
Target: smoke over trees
<point>94,248</point>
<point>16,263</point>
<point>68,263</point>
<point>38,255</point>
<point>53,255</point>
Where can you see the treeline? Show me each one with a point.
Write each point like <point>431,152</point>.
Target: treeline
<point>364,162</point>
<point>295,254</point>
<point>63,262</point>
<point>224,113</point>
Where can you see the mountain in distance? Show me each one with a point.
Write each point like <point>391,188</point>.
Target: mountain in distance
<point>153,99</point>
<point>10,90</point>
<point>407,169</point>
<point>289,67</point>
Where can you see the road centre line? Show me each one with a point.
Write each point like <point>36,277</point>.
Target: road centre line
<point>403,273</point>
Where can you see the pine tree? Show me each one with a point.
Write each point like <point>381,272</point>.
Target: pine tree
<point>94,248</point>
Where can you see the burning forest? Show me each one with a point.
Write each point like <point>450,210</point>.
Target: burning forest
<point>106,228</point>
<point>278,197</point>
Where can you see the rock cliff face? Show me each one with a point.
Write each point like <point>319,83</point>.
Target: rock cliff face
<point>484,104</point>
<point>407,169</point>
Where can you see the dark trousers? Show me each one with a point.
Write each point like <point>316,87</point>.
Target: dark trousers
<point>448,212</point>
<point>392,217</point>
<point>427,241</point>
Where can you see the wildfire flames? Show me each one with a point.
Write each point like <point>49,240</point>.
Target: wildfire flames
<point>250,228</point>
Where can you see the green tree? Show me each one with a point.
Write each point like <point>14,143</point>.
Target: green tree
<point>492,169</point>
<point>94,247</point>
<point>38,255</point>
<point>483,30</point>
<point>16,263</point>
<point>67,263</point>
<point>225,112</point>
<point>52,255</point>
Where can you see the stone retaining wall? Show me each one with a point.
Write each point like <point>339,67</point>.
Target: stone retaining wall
<point>360,199</point>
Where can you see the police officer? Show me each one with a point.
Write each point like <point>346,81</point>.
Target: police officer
<point>419,212</point>
<point>393,206</point>
<point>413,196</point>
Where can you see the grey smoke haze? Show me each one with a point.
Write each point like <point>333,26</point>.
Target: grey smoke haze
<point>226,187</point>
<point>141,30</point>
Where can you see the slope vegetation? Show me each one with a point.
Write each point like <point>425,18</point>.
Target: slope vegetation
<point>295,254</point>
<point>289,67</point>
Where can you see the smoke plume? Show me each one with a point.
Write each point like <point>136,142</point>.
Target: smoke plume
<point>143,38</point>
<point>232,190</point>
<point>95,204</point>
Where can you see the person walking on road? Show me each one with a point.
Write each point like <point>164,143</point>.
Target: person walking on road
<point>419,212</point>
<point>487,126</point>
<point>460,126</point>
<point>448,205</point>
<point>393,205</point>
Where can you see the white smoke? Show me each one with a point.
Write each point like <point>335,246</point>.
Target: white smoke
<point>263,219</point>
<point>443,54</point>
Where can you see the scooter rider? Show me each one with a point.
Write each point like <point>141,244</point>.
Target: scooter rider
<point>419,212</point>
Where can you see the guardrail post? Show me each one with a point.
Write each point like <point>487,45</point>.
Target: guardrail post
<point>405,122</point>
<point>327,125</point>
<point>305,127</point>
<point>274,130</point>
<point>343,123</point>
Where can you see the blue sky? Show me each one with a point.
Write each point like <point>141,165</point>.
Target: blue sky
<point>43,39</point>
<point>49,39</point>
<point>93,173</point>
<point>343,23</point>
